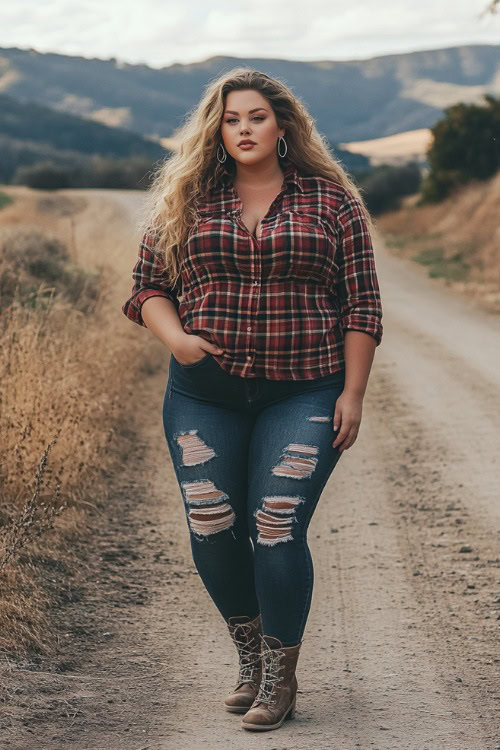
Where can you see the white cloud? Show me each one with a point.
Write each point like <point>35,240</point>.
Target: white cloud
<point>160,33</point>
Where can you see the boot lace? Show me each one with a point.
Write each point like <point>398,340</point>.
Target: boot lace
<point>271,660</point>
<point>249,657</point>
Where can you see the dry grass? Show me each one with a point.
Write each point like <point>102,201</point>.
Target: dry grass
<point>393,149</point>
<point>67,364</point>
<point>458,239</point>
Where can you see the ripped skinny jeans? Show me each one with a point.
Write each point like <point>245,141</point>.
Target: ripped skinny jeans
<point>252,457</point>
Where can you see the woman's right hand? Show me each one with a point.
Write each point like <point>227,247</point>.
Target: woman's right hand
<point>189,349</point>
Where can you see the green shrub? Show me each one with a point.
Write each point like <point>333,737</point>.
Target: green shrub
<point>455,267</point>
<point>383,187</point>
<point>5,199</point>
<point>466,147</point>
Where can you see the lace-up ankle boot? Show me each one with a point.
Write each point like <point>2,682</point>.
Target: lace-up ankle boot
<point>247,637</point>
<point>275,700</point>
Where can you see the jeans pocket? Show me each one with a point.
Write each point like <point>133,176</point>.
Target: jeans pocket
<point>195,364</point>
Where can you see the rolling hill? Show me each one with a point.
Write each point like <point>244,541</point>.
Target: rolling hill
<point>352,100</point>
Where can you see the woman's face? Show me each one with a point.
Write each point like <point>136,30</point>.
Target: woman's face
<point>249,115</point>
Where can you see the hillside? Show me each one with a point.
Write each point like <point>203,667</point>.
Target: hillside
<point>457,240</point>
<point>351,100</point>
<point>30,133</point>
<point>34,122</point>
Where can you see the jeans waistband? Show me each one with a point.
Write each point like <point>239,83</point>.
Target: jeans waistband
<point>207,381</point>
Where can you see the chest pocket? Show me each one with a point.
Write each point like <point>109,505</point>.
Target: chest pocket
<point>211,222</point>
<point>199,227</point>
<point>299,246</point>
<point>209,248</point>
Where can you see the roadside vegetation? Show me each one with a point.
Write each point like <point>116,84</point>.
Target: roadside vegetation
<point>64,370</point>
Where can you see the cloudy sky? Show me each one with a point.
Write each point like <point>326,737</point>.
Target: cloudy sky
<point>161,32</point>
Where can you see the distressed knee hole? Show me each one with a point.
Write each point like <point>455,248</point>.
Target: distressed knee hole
<point>272,530</point>
<point>297,467</point>
<point>310,450</point>
<point>319,419</point>
<point>194,449</point>
<point>210,520</point>
<point>202,492</point>
<point>270,520</point>
<point>282,504</point>
<point>208,512</point>
<point>274,520</point>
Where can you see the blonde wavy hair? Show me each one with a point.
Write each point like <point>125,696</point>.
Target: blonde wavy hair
<point>188,174</point>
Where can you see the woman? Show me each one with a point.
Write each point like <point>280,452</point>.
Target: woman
<point>256,270</point>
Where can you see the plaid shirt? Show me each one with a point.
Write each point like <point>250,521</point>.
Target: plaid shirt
<point>278,305</point>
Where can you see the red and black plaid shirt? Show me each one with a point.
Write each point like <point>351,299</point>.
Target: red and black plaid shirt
<point>278,305</point>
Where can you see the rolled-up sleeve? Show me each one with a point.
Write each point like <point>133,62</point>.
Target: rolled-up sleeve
<point>149,281</point>
<point>357,288</point>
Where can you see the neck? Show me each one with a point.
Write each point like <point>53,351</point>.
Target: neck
<point>259,175</point>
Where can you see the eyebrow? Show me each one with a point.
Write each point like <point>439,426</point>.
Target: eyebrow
<point>230,111</point>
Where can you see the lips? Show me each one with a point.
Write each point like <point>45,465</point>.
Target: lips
<point>247,143</point>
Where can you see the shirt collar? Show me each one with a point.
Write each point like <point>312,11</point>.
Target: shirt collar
<point>290,171</point>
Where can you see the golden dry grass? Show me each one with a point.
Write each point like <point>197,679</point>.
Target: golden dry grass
<point>393,149</point>
<point>459,238</point>
<point>66,373</point>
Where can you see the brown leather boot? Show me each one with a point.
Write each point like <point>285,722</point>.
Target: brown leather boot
<point>277,694</point>
<point>247,637</point>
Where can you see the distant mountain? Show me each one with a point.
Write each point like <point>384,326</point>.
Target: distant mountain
<point>351,100</point>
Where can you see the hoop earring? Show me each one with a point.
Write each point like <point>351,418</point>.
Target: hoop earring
<point>221,161</point>
<point>281,139</point>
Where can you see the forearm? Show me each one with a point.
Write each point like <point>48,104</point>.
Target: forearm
<point>161,318</point>
<point>359,351</point>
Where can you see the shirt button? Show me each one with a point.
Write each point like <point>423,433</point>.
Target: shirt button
<point>249,358</point>
<point>255,282</point>
<point>249,328</point>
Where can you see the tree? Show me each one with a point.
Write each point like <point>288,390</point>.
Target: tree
<point>466,147</point>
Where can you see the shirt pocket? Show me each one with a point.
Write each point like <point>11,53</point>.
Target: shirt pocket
<point>199,228</point>
<point>300,246</point>
<point>212,249</point>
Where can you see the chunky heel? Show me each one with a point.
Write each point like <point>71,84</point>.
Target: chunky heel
<point>291,713</point>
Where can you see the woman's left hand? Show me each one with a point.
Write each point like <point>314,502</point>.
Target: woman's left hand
<point>346,419</point>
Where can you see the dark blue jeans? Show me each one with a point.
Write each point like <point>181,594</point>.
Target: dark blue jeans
<point>252,457</point>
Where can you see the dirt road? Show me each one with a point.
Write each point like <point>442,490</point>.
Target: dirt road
<point>401,647</point>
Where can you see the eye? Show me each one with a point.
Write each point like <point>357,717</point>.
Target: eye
<point>257,117</point>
